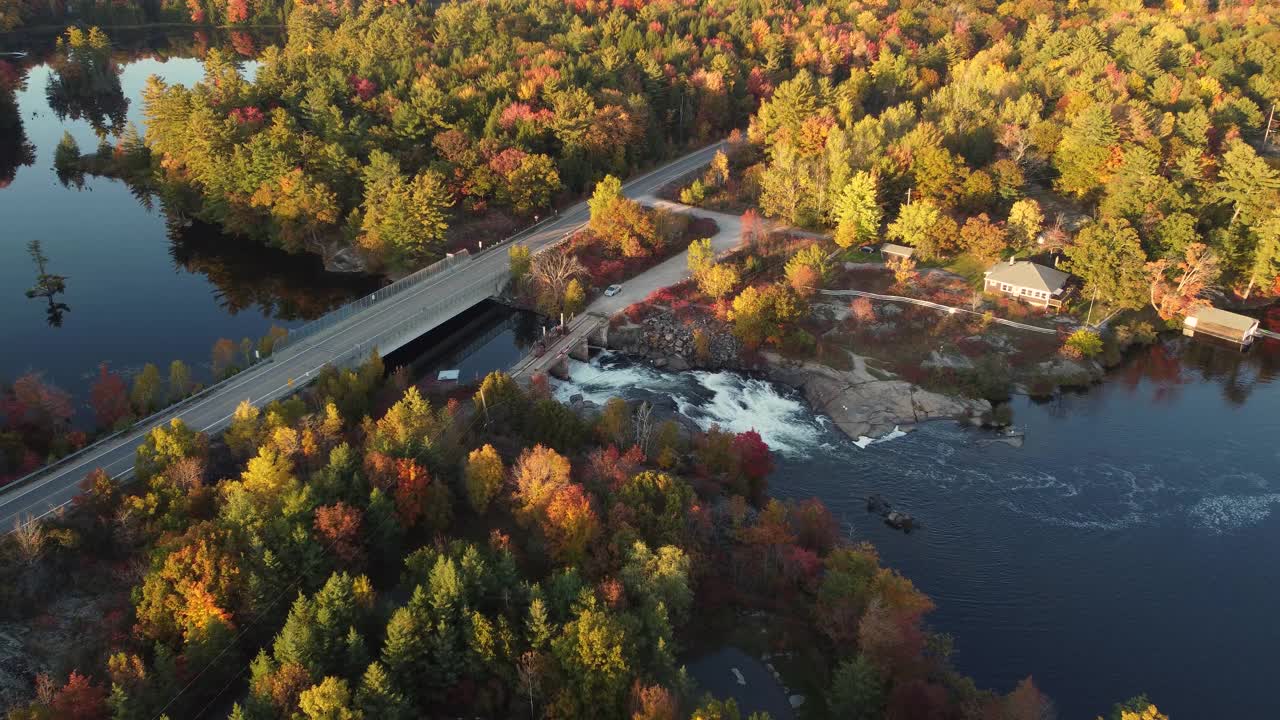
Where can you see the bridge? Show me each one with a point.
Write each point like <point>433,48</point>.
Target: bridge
<point>384,321</point>
<point>573,340</point>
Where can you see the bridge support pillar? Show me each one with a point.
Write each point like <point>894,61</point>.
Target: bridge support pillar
<point>581,350</point>
<point>601,335</point>
<point>560,370</point>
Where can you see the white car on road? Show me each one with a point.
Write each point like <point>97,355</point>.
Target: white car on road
<point>613,290</point>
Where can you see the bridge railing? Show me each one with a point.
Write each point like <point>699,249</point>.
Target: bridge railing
<point>408,282</point>
<point>155,419</point>
<point>334,317</point>
<point>408,330</point>
<point>494,283</point>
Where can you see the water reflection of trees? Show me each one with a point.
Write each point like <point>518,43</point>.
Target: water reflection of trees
<point>1167,366</point>
<point>85,82</point>
<point>1237,372</point>
<point>15,150</point>
<point>248,275</point>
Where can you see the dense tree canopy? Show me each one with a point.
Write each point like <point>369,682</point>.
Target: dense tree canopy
<point>372,568</point>
<point>1145,117</point>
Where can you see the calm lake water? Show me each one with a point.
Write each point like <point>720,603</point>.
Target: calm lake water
<point>138,291</point>
<point>1126,548</point>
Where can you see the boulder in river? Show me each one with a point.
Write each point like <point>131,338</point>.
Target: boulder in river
<point>893,518</point>
<point>900,521</point>
<point>878,505</point>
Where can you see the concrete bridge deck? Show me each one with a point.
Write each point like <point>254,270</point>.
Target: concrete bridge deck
<point>385,320</point>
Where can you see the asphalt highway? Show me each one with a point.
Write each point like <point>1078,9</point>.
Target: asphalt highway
<point>386,324</point>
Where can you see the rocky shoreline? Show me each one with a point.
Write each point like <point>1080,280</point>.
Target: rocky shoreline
<point>860,404</point>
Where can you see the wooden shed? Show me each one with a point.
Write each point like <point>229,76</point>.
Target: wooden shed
<point>1229,326</point>
<point>896,252</point>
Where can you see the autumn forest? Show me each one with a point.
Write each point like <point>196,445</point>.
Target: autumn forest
<point>372,548</point>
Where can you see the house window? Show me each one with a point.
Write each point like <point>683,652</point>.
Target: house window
<point>1004,287</point>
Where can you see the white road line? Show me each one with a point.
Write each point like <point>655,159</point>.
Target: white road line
<point>383,320</point>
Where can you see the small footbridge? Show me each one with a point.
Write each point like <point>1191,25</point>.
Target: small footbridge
<point>575,339</point>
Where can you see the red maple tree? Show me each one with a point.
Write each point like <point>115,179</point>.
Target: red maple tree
<point>109,398</point>
<point>80,699</point>
<point>411,492</point>
<point>339,525</point>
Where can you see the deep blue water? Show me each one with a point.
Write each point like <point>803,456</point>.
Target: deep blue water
<point>1126,548</point>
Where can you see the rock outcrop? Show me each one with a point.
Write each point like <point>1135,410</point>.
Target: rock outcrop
<point>338,256</point>
<point>861,404</point>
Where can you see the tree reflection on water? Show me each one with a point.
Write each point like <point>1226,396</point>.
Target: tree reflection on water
<point>247,275</point>
<point>15,150</point>
<point>85,83</point>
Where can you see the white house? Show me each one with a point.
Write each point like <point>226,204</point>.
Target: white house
<point>1034,284</point>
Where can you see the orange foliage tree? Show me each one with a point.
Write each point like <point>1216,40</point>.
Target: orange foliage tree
<point>411,492</point>
<point>539,473</point>
<point>1176,289</point>
<point>339,525</point>
<point>570,523</point>
<point>193,587</point>
<point>80,699</point>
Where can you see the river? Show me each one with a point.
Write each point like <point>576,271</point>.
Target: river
<point>138,290</point>
<point>1124,549</point>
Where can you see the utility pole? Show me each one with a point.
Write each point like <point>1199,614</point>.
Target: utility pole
<point>1089,319</point>
<point>484,405</point>
<point>1270,117</point>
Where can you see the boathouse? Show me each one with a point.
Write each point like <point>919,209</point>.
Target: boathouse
<point>1229,326</point>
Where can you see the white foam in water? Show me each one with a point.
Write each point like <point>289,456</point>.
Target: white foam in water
<point>599,384</point>
<point>1224,513</point>
<point>738,404</point>
<point>731,401</point>
<point>864,440</point>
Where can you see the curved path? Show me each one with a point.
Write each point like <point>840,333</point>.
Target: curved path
<point>384,324</point>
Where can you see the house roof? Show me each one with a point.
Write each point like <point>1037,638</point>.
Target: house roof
<point>1027,274</point>
<point>1230,320</point>
<point>902,250</point>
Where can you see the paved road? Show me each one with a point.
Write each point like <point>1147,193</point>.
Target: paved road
<point>394,321</point>
<point>671,271</point>
<point>674,269</point>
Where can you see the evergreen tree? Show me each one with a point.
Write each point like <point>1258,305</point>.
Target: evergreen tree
<point>1246,182</point>
<point>857,212</point>
<point>1108,257</point>
<point>857,691</point>
<point>377,697</point>
<point>1085,151</point>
